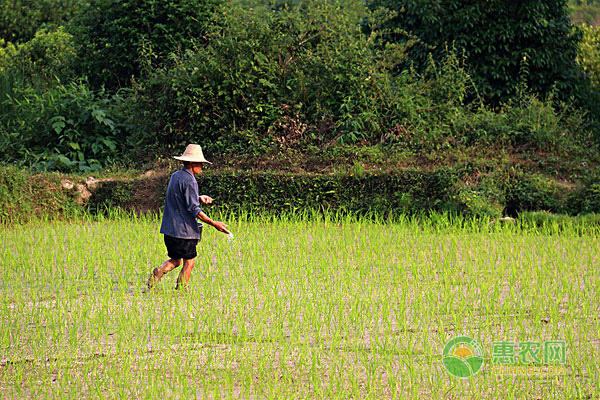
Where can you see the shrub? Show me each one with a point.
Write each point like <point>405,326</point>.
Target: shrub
<point>114,35</point>
<point>481,195</point>
<point>524,123</point>
<point>588,54</point>
<point>46,57</point>
<point>294,77</point>
<point>408,191</point>
<point>335,89</point>
<point>111,195</point>
<point>530,192</point>
<point>65,127</point>
<point>296,73</point>
<point>586,199</point>
<point>494,38</point>
<point>20,20</point>
<point>7,51</point>
<point>543,125</point>
<point>36,64</point>
<point>586,196</point>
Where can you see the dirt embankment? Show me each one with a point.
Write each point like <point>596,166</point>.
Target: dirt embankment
<point>143,193</point>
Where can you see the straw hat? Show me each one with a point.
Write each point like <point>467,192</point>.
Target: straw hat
<point>192,153</point>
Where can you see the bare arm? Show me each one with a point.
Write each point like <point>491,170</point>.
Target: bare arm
<point>220,226</point>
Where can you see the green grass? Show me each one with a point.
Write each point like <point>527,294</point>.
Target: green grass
<point>292,308</point>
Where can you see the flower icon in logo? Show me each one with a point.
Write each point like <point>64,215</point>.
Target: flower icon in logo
<point>462,357</point>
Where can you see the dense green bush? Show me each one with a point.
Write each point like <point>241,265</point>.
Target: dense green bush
<point>495,37</point>
<point>530,192</point>
<point>271,77</point>
<point>13,184</point>
<point>585,198</point>
<point>64,127</point>
<point>294,77</point>
<point>20,20</point>
<point>112,195</point>
<point>409,191</point>
<point>528,122</point>
<point>34,65</point>
<point>46,57</point>
<point>588,54</point>
<point>482,191</point>
<point>114,36</point>
<point>48,124</point>
<point>297,76</point>
<point>274,80</point>
<point>482,198</point>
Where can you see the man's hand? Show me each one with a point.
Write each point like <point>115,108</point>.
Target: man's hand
<point>205,199</point>
<point>220,226</point>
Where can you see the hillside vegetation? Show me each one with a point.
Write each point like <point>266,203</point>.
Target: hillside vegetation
<point>327,87</point>
<point>585,12</point>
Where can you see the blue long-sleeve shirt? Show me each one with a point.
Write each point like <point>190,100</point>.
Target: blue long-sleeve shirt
<point>181,206</point>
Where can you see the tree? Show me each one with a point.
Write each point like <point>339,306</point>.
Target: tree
<point>112,35</point>
<point>503,41</point>
<point>21,19</point>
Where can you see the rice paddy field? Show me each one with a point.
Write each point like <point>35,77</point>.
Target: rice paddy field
<point>299,308</point>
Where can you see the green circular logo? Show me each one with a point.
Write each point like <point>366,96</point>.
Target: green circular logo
<point>462,357</point>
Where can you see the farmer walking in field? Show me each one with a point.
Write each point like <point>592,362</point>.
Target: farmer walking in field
<point>180,226</point>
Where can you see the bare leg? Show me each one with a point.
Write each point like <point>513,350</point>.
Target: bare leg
<point>165,267</point>
<point>186,272</point>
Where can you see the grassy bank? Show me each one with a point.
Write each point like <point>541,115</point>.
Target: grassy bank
<point>472,189</point>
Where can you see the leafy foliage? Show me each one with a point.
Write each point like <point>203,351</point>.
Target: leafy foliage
<point>20,20</point>
<point>244,78</point>
<point>49,55</point>
<point>495,37</point>
<point>294,73</point>
<point>66,127</point>
<point>585,12</point>
<point>588,54</point>
<point>294,77</point>
<point>113,35</point>
<point>487,191</point>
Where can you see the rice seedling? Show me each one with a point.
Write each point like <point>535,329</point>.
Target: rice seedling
<point>301,306</point>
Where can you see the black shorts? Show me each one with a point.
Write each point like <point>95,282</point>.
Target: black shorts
<point>181,248</point>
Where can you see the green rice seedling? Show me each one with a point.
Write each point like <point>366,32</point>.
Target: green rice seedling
<point>308,305</point>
